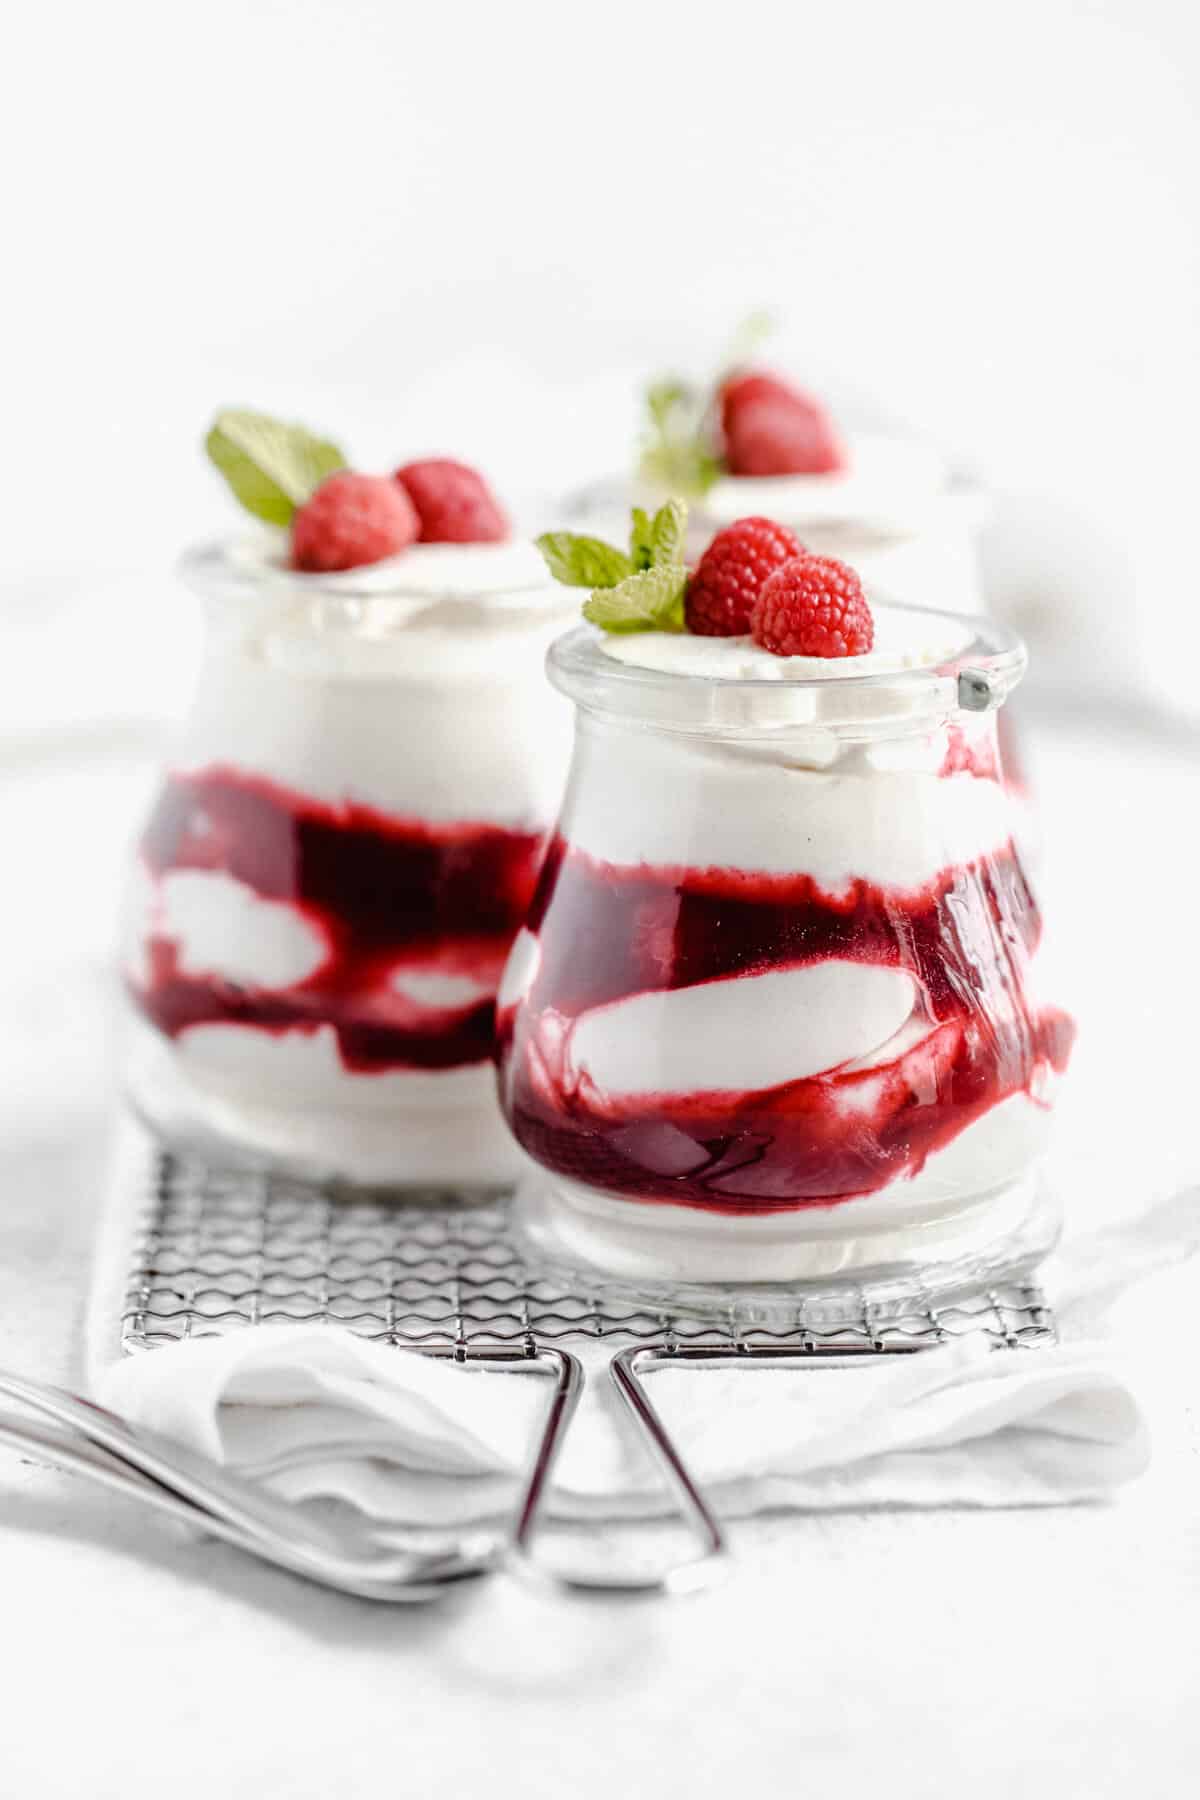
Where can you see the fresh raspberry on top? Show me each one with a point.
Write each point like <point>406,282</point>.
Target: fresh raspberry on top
<point>773,428</point>
<point>453,502</point>
<point>813,606</point>
<point>726,581</point>
<point>747,386</point>
<point>782,434</point>
<point>350,520</point>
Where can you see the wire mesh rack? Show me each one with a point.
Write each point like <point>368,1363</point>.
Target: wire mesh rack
<point>218,1250</point>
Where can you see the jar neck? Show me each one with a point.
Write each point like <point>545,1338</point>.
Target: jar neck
<point>252,598</point>
<point>919,745</point>
<point>729,690</point>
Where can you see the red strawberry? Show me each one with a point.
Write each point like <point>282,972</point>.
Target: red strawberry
<point>727,579</point>
<point>350,520</point>
<point>453,502</point>
<point>813,606</point>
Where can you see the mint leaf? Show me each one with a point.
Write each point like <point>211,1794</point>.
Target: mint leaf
<point>579,561</point>
<point>659,539</point>
<point>666,399</point>
<point>677,450</point>
<point>681,441</point>
<point>641,591</point>
<point>641,540</point>
<point>688,467</point>
<point>651,600</point>
<point>271,467</point>
<point>667,529</point>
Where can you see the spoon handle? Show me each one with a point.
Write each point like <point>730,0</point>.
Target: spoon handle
<point>65,1450</point>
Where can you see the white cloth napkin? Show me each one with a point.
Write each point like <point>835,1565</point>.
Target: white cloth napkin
<point>320,1413</point>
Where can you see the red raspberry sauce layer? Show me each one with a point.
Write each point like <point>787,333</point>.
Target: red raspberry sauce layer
<point>608,933</point>
<point>387,895</point>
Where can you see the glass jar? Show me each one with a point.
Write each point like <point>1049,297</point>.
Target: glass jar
<point>898,514</point>
<point>344,842</point>
<point>772,1016</point>
<point>907,521</point>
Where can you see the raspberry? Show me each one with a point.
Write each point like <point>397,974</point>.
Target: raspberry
<point>773,429</point>
<point>453,502</point>
<point>727,579</point>
<point>813,606</point>
<point>350,520</point>
<point>739,390</point>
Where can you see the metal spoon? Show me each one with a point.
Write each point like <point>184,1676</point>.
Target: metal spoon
<point>144,1465</point>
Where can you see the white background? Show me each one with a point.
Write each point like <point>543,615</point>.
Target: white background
<point>468,229</point>
<point>977,218</point>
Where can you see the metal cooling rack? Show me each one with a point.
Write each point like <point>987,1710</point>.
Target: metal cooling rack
<point>218,1250</point>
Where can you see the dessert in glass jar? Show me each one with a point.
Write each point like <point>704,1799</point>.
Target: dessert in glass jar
<point>749,440</point>
<point>772,1017</point>
<point>752,442</point>
<point>349,827</point>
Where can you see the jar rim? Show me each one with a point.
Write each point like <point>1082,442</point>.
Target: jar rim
<point>237,570</point>
<point>978,678</point>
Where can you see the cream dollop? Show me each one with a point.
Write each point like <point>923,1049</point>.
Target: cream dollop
<point>904,639</point>
<point>422,572</point>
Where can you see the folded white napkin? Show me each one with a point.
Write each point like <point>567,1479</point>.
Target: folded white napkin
<point>321,1413</point>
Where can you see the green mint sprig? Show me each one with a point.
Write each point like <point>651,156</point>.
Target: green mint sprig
<point>272,468</point>
<point>638,590</point>
<point>681,440</point>
<point>589,562</point>
<point>678,448</point>
<point>651,600</point>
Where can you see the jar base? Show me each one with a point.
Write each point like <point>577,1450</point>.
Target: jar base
<point>456,1142</point>
<point>703,1262</point>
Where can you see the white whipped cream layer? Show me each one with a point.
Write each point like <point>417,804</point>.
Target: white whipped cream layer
<point>741,1034</point>
<point>288,1098</point>
<point>421,572</point>
<point>904,639</point>
<point>436,612</point>
<point>414,687</point>
<point>435,992</point>
<point>439,749</point>
<point>890,485</point>
<point>222,930</point>
<point>673,801</point>
<point>284,1068</point>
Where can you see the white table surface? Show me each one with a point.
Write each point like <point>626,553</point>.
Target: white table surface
<point>855,1654</point>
